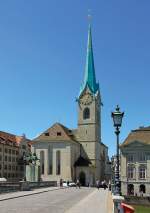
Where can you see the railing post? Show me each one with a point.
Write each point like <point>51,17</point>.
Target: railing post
<point>117,200</point>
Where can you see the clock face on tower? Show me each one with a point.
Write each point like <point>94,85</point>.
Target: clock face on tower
<point>86,99</point>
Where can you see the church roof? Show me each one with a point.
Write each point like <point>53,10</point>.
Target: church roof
<point>57,132</point>
<point>142,135</point>
<point>89,76</point>
<point>81,161</point>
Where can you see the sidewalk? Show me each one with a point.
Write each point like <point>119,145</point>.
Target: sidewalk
<point>12,195</point>
<point>98,201</point>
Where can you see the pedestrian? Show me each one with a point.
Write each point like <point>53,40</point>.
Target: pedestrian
<point>78,183</point>
<point>109,186</point>
<point>68,183</point>
<point>98,184</point>
<point>104,184</point>
<point>61,182</point>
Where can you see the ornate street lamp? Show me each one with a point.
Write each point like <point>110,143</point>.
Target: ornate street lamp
<point>117,119</point>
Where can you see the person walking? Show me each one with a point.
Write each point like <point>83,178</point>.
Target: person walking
<point>61,182</point>
<point>98,184</point>
<point>78,183</point>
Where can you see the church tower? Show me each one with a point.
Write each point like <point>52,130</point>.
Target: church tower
<point>89,111</point>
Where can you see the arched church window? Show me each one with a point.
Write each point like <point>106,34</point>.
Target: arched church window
<point>42,161</point>
<point>58,164</point>
<point>86,113</point>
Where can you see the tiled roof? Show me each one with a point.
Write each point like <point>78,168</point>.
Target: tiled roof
<point>7,137</point>
<point>142,135</point>
<point>11,138</point>
<point>57,132</point>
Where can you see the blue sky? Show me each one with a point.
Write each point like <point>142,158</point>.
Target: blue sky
<point>42,62</point>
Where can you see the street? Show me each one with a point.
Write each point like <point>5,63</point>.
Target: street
<point>58,201</point>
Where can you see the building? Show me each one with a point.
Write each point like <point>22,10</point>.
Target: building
<point>135,163</point>
<point>12,149</point>
<point>76,153</point>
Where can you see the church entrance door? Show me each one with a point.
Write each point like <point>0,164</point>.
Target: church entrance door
<point>82,178</point>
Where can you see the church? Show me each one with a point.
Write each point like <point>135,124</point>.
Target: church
<point>72,154</point>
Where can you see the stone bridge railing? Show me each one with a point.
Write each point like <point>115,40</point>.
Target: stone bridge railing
<point>24,185</point>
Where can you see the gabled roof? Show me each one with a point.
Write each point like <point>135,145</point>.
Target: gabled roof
<point>57,132</point>
<point>81,161</point>
<point>142,135</point>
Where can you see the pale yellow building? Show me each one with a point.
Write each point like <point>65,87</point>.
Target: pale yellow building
<point>135,163</point>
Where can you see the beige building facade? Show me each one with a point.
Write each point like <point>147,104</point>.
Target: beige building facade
<point>12,148</point>
<point>73,154</point>
<point>135,163</point>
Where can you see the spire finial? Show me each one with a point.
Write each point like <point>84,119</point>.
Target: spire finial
<point>89,16</point>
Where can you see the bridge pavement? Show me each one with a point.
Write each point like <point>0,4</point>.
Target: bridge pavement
<point>68,200</point>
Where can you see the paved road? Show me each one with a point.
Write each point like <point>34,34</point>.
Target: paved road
<point>58,201</point>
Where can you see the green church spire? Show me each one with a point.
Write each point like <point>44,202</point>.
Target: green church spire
<point>89,76</point>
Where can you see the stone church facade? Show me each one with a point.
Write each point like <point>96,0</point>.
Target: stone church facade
<point>76,153</point>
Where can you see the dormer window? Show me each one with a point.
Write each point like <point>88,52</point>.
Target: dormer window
<point>58,133</point>
<point>47,134</point>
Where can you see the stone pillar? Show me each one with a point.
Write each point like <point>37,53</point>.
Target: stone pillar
<point>28,173</point>
<point>37,173</point>
<point>32,173</point>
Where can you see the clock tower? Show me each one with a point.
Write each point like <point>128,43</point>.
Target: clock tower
<point>89,112</point>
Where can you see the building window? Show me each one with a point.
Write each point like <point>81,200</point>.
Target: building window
<point>5,150</point>
<point>0,157</point>
<point>131,170</point>
<point>6,158</point>
<point>142,172</point>
<point>0,166</point>
<point>130,189</point>
<point>142,188</point>
<point>23,147</point>
<point>142,157</point>
<point>42,161</point>
<point>21,168</point>
<point>58,133</point>
<point>130,158</point>
<point>58,165</point>
<point>86,113</point>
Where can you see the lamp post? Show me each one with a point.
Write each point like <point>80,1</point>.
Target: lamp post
<point>117,119</point>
